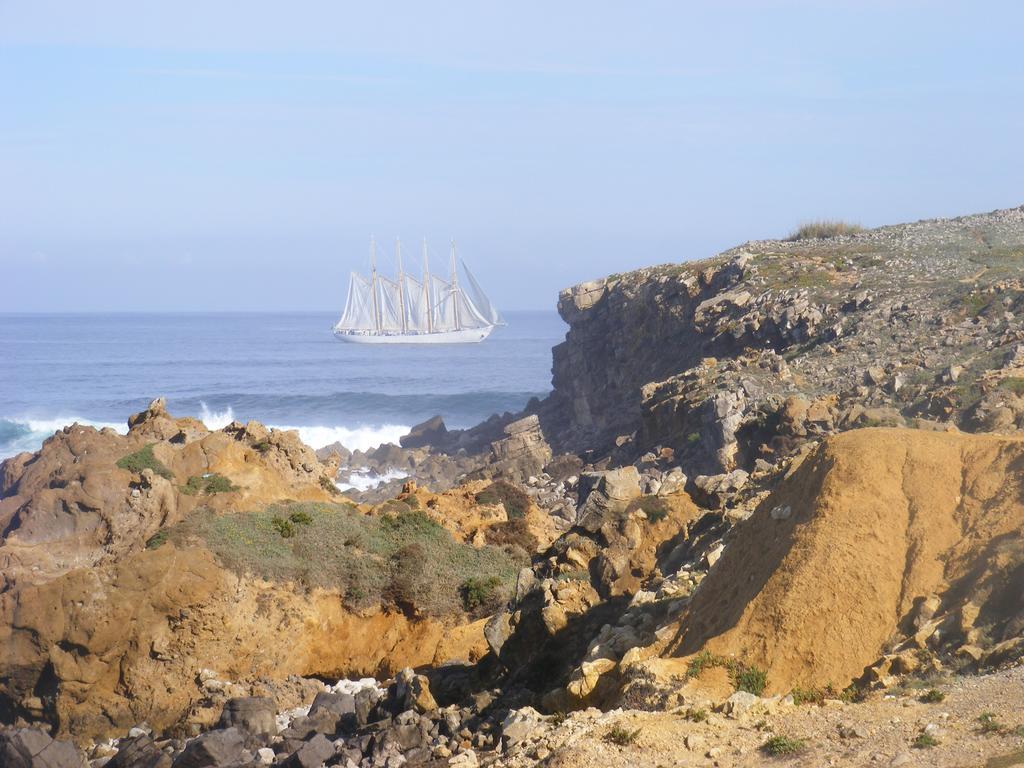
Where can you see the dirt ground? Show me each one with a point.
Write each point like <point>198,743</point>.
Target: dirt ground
<point>878,732</point>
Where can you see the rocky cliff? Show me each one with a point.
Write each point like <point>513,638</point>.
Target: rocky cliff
<point>150,576</point>
<point>743,355</point>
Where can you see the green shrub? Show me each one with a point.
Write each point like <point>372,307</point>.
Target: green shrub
<point>328,485</point>
<point>693,438</point>
<point>696,715</point>
<point>515,501</point>
<point>412,502</point>
<point>262,446</point>
<point>620,736</point>
<point>777,746</point>
<point>207,484</point>
<point>924,741</point>
<point>705,660</point>
<point>824,228</point>
<point>157,539</point>
<point>144,459</point>
<point>409,586</point>
<point>750,679</point>
<point>1013,384</point>
<point>512,535</point>
<point>481,594</point>
<point>366,557</point>
<point>577,574</point>
<point>815,695</point>
<point>989,722</point>
<point>283,527</point>
<point>933,696</point>
<point>655,507</point>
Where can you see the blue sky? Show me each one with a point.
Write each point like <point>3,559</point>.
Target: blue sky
<point>238,156</point>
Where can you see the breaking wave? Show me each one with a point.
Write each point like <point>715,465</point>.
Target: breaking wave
<point>365,480</point>
<point>23,434</point>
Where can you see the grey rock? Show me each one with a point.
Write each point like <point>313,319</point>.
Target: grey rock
<point>34,748</point>
<point>139,752</point>
<point>256,715</point>
<point>216,748</point>
<point>312,754</point>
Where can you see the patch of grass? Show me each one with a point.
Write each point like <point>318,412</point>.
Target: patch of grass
<point>808,696</point>
<point>412,502</point>
<point>696,715</point>
<point>815,695</point>
<point>705,660</point>
<point>655,507</point>
<point>283,527</point>
<point>515,501</point>
<point>824,228</point>
<point>144,459</point>
<point>262,446</point>
<point>750,679</point>
<point>577,574</point>
<point>157,540</point>
<point>932,696</point>
<point>976,303</point>
<point>512,535</point>
<point>207,484</point>
<point>328,485</point>
<point>620,736</point>
<point>779,745</point>
<point>1013,384</point>
<point>481,595</point>
<point>989,723</point>
<point>853,694</point>
<point>924,741</point>
<point>693,438</point>
<point>371,559</point>
<point>745,677</point>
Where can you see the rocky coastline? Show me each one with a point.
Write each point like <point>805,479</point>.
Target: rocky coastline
<point>772,507</point>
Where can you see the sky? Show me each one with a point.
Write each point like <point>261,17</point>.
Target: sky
<point>239,156</point>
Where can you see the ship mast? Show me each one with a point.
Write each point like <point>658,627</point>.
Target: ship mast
<point>455,290</point>
<point>373,283</point>
<point>426,287</point>
<point>401,284</point>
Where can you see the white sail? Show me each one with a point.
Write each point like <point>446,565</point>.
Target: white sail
<point>390,302</point>
<point>428,310</point>
<point>479,299</point>
<point>444,304</point>
<point>416,307</point>
<point>358,314</point>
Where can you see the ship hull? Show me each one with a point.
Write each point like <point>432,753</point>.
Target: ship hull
<point>464,336</point>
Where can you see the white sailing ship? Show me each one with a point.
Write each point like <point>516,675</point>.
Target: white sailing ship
<point>409,310</point>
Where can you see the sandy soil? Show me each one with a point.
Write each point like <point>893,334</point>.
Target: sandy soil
<point>879,731</point>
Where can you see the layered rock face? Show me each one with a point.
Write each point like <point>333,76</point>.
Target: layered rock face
<point>144,573</point>
<point>744,355</point>
<point>90,497</point>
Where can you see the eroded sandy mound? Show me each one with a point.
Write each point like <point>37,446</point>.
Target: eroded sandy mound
<point>878,533</point>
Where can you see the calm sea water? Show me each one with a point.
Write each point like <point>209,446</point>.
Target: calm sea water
<point>285,370</point>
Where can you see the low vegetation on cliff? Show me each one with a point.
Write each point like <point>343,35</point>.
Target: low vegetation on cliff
<point>401,559</point>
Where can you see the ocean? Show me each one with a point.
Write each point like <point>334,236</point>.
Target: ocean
<point>283,369</point>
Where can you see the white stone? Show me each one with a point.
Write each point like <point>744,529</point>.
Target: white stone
<point>465,759</point>
<point>265,755</point>
<point>715,554</point>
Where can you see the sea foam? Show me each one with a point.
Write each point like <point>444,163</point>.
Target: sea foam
<point>27,434</point>
<point>19,434</point>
